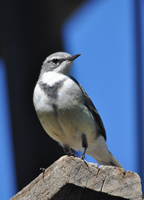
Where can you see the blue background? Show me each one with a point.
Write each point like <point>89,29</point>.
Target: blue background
<point>7,166</point>
<point>105,33</point>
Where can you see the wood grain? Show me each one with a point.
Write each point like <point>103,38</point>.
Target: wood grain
<point>74,179</point>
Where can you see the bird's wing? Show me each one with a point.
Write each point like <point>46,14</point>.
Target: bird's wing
<point>93,110</point>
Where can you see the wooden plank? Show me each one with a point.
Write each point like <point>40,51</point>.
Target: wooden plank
<point>74,179</point>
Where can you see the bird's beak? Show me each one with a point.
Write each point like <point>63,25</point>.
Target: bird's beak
<point>71,58</point>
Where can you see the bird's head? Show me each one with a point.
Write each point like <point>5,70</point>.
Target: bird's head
<point>59,62</point>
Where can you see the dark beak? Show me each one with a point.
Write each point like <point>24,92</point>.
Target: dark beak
<point>73,57</point>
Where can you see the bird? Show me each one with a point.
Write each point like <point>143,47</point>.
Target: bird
<point>67,113</point>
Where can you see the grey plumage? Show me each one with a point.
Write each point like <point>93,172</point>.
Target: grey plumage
<point>51,91</point>
<point>67,113</point>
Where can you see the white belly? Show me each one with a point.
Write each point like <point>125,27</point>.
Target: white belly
<point>65,118</point>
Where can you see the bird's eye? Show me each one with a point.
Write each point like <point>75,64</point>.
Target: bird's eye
<point>55,60</point>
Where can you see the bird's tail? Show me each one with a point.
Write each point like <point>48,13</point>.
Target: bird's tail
<point>101,153</point>
<point>112,161</point>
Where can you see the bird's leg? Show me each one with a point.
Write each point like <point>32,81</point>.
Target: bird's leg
<point>68,151</point>
<point>72,153</point>
<point>84,145</point>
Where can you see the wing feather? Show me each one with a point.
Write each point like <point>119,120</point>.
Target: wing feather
<point>93,110</point>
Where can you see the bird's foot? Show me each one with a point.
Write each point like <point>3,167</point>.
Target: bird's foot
<point>82,157</point>
<point>71,154</point>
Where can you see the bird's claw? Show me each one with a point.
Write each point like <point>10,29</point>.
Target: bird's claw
<point>82,157</point>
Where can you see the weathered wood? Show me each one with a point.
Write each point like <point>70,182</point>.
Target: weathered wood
<point>71,178</point>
